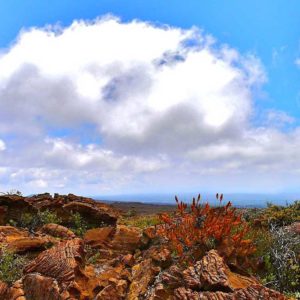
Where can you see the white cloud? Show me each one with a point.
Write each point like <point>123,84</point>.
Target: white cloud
<point>160,101</point>
<point>2,145</point>
<point>297,62</point>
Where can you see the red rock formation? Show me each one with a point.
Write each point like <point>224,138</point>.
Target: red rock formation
<point>36,286</point>
<point>20,241</point>
<point>13,206</point>
<point>255,292</point>
<point>99,237</point>
<point>211,273</point>
<point>143,275</point>
<point>59,262</point>
<point>59,231</point>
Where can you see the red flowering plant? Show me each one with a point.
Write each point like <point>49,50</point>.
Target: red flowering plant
<point>194,229</point>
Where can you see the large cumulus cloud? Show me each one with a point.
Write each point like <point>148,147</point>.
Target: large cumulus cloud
<point>112,106</point>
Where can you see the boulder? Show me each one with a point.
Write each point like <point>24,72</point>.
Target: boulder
<point>36,286</point>
<point>99,237</point>
<point>126,239</point>
<point>21,241</point>
<point>56,230</point>
<point>60,262</point>
<point>211,273</point>
<point>143,275</point>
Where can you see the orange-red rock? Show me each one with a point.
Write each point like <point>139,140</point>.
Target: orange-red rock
<point>59,262</point>
<point>59,231</point>
<point>126,239</point>
<point>211,273</point>
<point>143,275</point>
<point>99,237</point>
<point>20,241</point>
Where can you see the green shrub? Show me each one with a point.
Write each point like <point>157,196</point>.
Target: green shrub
<point>11,266</point>
<point>281,215</point>
<point>33,221</point>
<point>78,225</point>
<point>47,217</point>
<point>281,261</point>
<point>140,221</point>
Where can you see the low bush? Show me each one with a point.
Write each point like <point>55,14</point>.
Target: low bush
<point>282,269</point>
<point>280,215</point>
<point>77,224</point>
<point>193,230</point>
<point>140,221</point>
<point>11,266</point>
<point>33,221</point>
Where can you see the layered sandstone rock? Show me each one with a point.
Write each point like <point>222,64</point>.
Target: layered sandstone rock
<point>59,231</point>
<point>13,206</point>
<point>210,279</point>
<point>21,241</point>
<point>255,292</point>
<point>211,273</point>
<point>143,275</point>
<point>59,262</point>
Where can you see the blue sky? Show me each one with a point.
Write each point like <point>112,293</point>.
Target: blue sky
<point>268,28</point>
<point>248,105</point>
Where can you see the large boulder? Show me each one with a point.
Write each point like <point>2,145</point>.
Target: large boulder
<point>60,262</point>
<point>58,231</point>
<point>211,273</point>
<point>20,241</point>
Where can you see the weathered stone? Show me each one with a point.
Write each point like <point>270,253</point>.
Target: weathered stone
<point>211,273</point>
<point>59,231</point>
<point>254,292</point>
<point>116,290</point>
<point>128,260</point>
<point>99,237</point>
<point>3,290</point>
<point>126,239</point>
<point>13,206</point>
<point>160,255</point>
<point>143,275</point>
<point>159,292</point>
<point>20,241</point>
<point>59,262</point>
<point>16,292</point>
<point>172,277</point>
<point>38,287</point>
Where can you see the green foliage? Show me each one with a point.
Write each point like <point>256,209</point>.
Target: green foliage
<point>47,217</point>
<point>141,221</point>
<point>78,225</point>
<point>281,215</point>
<point>281,260</point>
<point>131,213</point>
<point>11,266</point>
<point>33,221</point>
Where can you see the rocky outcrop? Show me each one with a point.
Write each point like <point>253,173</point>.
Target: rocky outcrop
<point>210,279</point>
<point>12,207</point>
<point>255,292</point>
<point>111,261</point>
